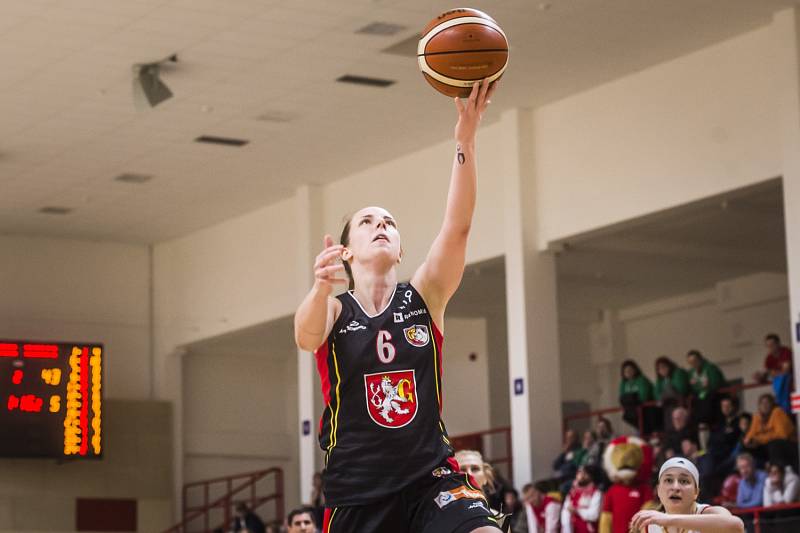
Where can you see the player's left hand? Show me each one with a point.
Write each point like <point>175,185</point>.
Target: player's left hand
<point>642,519</point>
<point>470,110</point>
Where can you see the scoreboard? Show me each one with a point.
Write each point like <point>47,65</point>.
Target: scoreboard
<point>51,399</point>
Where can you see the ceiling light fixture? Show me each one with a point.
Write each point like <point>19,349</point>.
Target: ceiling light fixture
<point>55,210</point>
<point>148,89</point>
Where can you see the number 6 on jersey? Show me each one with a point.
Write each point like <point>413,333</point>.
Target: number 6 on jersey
<point>385,347</point>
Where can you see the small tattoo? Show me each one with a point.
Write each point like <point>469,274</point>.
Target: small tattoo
<point>460,155</point>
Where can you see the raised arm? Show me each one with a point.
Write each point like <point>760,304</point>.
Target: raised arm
<point>318,311</point>
<point>439,276</point>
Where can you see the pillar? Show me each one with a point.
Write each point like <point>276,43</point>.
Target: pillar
<point>532,314</point>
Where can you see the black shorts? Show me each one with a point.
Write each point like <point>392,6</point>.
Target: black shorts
<point>443,502</point>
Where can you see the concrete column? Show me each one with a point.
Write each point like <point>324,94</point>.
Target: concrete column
<point>532,311</point>
<point>786,26</point>
<point>309,205</point>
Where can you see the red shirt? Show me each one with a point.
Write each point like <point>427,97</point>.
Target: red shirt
<point>774,363</point>
<point>623,502</point>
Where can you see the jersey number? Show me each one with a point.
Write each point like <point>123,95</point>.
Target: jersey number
<point>385,347</point>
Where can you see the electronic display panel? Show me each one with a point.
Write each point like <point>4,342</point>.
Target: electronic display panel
<point>52,399</point>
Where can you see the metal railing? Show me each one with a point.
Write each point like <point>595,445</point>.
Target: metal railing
<point>192,514</point>
<point>780,518</point>
<point>478,440</point>
<point>599,413</point>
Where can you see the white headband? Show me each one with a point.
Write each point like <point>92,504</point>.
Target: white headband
<point>682,463</point>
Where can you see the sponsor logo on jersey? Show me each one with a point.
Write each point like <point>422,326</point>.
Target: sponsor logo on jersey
<point>478,505</point>
<point>398,317</point>
<point>415,312</point>
<point>352,326</point>
<point>417,335</point>
<point>446,498</point>
<point>442,471</point>
<point>391,397</point>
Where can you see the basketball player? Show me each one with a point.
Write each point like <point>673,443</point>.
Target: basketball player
<point>678,488</point>
<point>389,463</point>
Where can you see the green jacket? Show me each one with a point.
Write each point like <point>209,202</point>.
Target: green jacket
<point>639,385</point>
<point>707,380</point>
<point>679,380</point>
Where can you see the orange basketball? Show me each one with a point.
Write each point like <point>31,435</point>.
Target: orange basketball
<point>460,47</point>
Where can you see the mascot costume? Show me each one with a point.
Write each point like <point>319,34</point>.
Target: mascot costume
<point>629,464</point>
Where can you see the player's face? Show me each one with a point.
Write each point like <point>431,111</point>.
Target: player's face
<point>677,491</point>
<point>302,523</point>
<point>373,234</point>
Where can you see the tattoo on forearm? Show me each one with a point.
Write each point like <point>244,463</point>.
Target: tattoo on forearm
<point>460,155</point>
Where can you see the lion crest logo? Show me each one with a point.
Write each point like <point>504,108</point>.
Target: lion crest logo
<point>417,335</point>
<point>391,397</point>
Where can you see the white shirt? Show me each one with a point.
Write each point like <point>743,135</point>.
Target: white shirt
<point>787,494</point>
<point>699,508</point>
<point>551,515</point>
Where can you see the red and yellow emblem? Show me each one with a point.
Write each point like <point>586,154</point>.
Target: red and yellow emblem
<point>391,397</point>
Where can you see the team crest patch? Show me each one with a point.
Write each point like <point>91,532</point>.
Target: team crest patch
<point>391,397</point>
<point>417,335</point>
<point>442,471</point>
<point>446,498</point>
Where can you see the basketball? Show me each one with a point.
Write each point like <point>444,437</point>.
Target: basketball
<point>460,47</point>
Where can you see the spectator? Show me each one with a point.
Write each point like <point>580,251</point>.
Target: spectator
<point>730,489</point>
<point>247,520</point>
<point>513,506</point>
<point>301,520</point>
<point>781,485</point>
<point>751,483</point>
<point>680,430</point>
<point>543,511</point>
<point>588,448</point>
<point>671,387</point>
<point>705,379</point>
<point>778,356</point>
<point>768,438</point>
<point>634,390</point>
<point>724,444</point>
<point>472,463</point>
<point>691,450</point>
<point>566,464</point>
<point>317,498</point>
<point>603,434</point>
<point>581,509</point>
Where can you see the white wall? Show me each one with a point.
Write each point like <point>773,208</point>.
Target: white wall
<point>676,132</point>
<point>239,414</point>
<point>55,289</point>
<point>465,382</point>
<point>40,494</point>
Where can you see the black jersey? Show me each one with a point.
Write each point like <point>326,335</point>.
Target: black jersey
<point>382,383</point>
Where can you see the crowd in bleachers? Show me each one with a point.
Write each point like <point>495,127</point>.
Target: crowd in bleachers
<point>745,460</point>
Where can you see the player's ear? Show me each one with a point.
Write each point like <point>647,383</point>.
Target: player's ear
<point>347,254</point>
<point>400,257</point>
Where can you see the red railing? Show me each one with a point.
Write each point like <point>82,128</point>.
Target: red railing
<point>641,407</point>
<point>475,441</point>
<point>228,501</point>
<point>756,512</point>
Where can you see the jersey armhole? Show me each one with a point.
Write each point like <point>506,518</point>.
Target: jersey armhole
<point>422,297</point>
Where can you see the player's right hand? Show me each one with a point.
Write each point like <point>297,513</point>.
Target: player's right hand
<point>327,266</point>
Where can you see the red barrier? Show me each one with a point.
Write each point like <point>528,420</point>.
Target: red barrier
<point>474,441</point>
<point>733,389</point>
<point>758,511</point>
<point>229,500</point>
